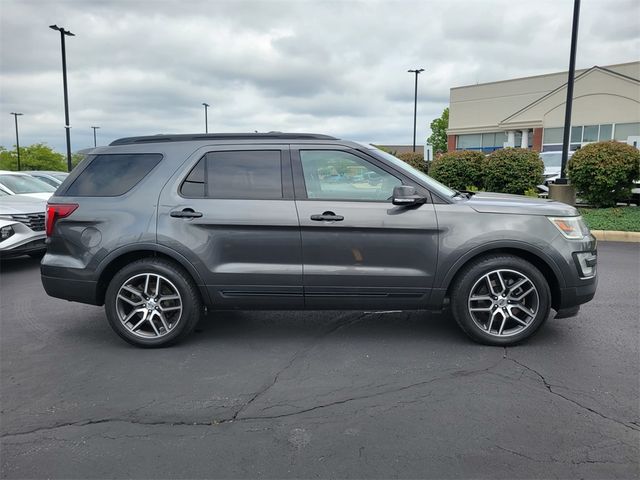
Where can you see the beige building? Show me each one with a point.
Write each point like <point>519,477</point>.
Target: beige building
<point>529,112</point>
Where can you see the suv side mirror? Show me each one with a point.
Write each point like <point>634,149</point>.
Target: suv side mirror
<point>406,195</point>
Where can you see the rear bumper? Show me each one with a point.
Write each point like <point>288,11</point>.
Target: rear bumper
<point>73,290</point>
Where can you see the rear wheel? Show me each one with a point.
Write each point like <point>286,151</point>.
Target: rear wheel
<point>152,303</point>
<point>500,300</point>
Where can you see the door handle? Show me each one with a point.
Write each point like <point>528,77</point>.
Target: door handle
<point>328,217</point>
<point>185,213</point>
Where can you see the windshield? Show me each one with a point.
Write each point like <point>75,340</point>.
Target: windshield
<point>60,176</point>
<point>25,184</point>
<point>552,159</point>
<point>436,186</point>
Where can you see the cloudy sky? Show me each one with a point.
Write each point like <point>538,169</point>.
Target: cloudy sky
<point>337,67</point>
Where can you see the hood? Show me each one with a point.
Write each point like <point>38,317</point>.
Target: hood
<point>486,202</point>
<point>19,204</point>
<point>39,195</point>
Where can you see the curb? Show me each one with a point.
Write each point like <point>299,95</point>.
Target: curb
<point>616,236</point>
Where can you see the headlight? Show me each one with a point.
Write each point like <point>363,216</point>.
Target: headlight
<point>6,232</point>
<point>573,228</point>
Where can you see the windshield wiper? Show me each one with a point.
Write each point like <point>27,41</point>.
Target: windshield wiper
<point>463,193</point>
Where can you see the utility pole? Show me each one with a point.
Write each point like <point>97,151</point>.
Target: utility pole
<point>95,144</point>
<point>15,116</point>
<point>67,126</point>
<point>415,103</point>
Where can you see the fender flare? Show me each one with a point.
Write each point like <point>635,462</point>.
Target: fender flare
<point>154,247</point>
<point>497,245</point>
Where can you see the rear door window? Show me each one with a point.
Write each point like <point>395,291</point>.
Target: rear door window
<point>251,174</point>
<point>112,175</point>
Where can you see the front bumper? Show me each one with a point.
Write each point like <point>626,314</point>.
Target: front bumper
<point>577,289</point>
<point>22,242</point>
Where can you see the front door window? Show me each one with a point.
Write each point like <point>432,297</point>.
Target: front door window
<point>338,175</point>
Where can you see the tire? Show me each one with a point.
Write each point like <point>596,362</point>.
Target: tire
<point>146,317</point>
<point>490,303</point>
<point>37,255</point>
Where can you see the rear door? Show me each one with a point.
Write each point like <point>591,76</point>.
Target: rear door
<point>358,249</point>
<point>231,212</point>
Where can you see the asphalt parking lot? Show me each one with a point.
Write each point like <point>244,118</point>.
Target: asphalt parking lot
<point>320,394</point>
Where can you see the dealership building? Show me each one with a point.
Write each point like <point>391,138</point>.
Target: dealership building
<point>529,112</point>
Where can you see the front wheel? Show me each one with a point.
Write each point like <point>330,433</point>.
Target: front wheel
<point>500,300</point>
<point>152,303</point>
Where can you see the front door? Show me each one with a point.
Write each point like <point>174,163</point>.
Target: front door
<point>358,249</point>
<point>230,212</point>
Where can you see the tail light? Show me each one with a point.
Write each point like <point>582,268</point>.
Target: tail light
<point>55,211</point>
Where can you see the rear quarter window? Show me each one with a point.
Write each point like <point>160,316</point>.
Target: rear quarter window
<point>112,175</point>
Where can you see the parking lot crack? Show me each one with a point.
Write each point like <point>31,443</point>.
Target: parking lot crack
<point>455,374</point>
<point>550,389</point>
<point>296,356</point>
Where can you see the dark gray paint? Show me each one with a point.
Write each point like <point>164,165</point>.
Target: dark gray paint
<point>267,254</point>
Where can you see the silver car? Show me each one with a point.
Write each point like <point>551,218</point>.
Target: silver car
<point>22,226</point>
<point>16,183</point>
<point>51,177</point>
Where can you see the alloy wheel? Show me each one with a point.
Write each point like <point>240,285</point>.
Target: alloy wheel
<point>503,302</point>
<point>149,305</point>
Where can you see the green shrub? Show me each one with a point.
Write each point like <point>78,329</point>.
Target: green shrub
<point>603,172</point>
<point>458,170</point>
<point>416,160</point>
<point>512,170</point>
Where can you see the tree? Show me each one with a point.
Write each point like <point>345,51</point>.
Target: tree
<point>38,156</point>
<point>438,138</point>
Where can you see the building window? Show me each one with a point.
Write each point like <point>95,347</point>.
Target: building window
<point>625,130</point>
<point>590,133</point>
<point>552,135</point>
<point>576,134</point>
<point>605,132</point>
<point>485,142</point>
<point>470,142</point>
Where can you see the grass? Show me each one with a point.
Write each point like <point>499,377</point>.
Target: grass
<point>626,219</point>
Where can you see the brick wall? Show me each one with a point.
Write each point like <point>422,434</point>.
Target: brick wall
<point>451,143</point>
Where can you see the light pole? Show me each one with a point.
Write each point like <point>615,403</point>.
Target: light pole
<point>560,189</point>
<point>572,73</point>
<point>206,120</point>
<point>415,104</point>
<point>64,33</point>
<point>15,116</point>
<point>95,144</point>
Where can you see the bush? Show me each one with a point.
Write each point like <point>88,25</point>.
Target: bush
<point>458,170</point>
<point>603,172</point>
<point>416,160</point>
<point>512,170</point>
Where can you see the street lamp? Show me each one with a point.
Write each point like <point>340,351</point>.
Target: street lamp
<point>64,33</point>
<point>206,120</point>
<point>561,189</point>
<point>15,116</point>
<point>94,136</point>
<point>415,104</point>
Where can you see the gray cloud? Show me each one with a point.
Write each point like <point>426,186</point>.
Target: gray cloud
<point>337,67</point>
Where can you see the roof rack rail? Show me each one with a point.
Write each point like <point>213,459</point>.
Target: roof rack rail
<point>221,136</point>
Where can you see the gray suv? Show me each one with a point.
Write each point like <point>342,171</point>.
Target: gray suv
<point>160,229</point>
